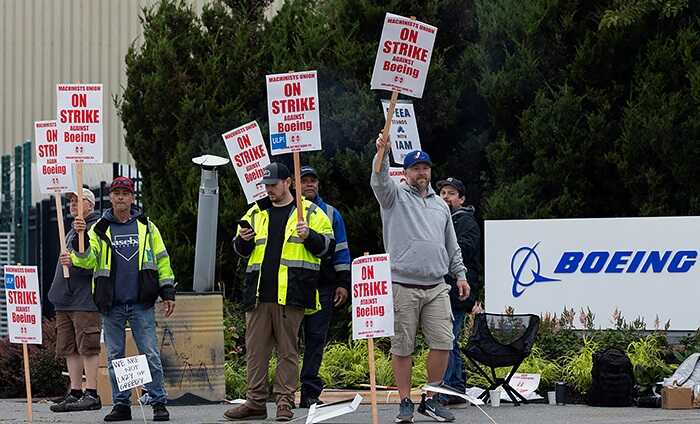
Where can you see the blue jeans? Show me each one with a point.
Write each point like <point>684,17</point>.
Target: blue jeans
<point>315,331</point>
<point>454,375</point>
<point>143,328</point>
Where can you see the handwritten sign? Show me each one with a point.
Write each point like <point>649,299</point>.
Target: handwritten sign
<point>23,304</point>
<point>372,297</point>
<point>403,132</point>
<point>54,176</point>
<point>131,372</point>
<point>292,108</point>
<point>79,122</point>
<point>403,56</point>
<point>246,147</point>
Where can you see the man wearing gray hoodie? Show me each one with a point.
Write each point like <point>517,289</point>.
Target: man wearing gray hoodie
<point>78,323</point>
<point>420,239</point>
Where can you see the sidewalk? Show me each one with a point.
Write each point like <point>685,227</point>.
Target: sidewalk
<point>14,411</point>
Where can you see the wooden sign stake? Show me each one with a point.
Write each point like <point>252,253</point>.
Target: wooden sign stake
<point>79,192</point>
<point>297,185</point>
<point>372,376</point>
<point>27,381</point>
<point>61,230</point>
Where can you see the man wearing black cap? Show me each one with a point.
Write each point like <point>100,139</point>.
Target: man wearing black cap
<point>468,233</point>
<point>420,239</point>
<point>333,288</point>
<point>284,259</point>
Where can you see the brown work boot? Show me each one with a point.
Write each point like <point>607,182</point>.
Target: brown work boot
<point>244,412</point>
<point>284,413</point>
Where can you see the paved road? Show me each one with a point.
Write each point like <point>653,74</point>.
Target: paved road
<point>13,411</point>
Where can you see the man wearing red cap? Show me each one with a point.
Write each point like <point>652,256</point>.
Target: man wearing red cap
<point>131,269</point>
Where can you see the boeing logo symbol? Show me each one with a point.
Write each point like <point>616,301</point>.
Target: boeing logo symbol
<point>525,259</point>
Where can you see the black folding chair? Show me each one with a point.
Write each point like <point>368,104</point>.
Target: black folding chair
<point>501,341</point>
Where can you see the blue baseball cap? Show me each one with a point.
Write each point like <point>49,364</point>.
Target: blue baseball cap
<point>416,157</point>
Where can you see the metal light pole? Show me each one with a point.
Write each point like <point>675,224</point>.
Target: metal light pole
<point>207,219</point>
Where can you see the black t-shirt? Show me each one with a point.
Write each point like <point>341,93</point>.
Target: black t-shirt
<point>273,251</point>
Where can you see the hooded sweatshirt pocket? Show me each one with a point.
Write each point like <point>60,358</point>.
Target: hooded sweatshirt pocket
<point>423,259</point>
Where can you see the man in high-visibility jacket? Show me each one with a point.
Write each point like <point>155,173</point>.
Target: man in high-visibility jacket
<point>284,259</point>
<point>131,268</point>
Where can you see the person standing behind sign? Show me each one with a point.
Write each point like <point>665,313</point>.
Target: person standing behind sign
<point>468,233</point>
<point>131,268</point>
<point>333,289</point>
<point>421,242</point>
<point>284,260</point>
<point>78,323</point>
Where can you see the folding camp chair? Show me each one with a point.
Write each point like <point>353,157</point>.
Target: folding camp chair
<point>501,341</point>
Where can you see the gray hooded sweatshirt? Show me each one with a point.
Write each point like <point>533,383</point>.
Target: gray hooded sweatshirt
<point>74,293</point>
<point>418,232</point>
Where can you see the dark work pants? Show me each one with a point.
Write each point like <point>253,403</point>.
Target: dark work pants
<point>315,331</point>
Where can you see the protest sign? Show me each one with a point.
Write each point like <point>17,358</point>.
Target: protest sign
<point>397,174</point>
<point>372,297</point>
<point>249,156</point>
<point>131,372</point>
<point>54,176</point>
<point>403,131</point>
<point>79,122</point>
<point>23,304</point>
<point>323,412</point>
<point>292,106</point>
<point>403,55</point>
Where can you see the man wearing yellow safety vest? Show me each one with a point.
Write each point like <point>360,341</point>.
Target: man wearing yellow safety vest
<point>131,268</point>
<point>284,259</point>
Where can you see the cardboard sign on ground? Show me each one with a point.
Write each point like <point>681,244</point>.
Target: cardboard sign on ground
<point>79,122</point>
<point>319,413</point>
<point>292,106</point>
<point>131,372</point>
<point>372,297</point>
<point>249,156</point>
<point>23,304</point>
<point>54,176</point>
<point>403,132</point>
<point>403,56</point>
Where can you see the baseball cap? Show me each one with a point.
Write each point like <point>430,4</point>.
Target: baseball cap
<point>307,170</point>
<point>416,157</point>
<point>454,182</point>
<point>87,195</point>
<point>274,172</point>
<point>122,182</point>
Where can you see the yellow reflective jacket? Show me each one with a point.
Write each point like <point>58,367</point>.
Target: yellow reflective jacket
<point>155,274</point>
<point>297,278</point>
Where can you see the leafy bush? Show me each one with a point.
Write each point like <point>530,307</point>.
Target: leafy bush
<point>235,376</point>
<point>234,330</point>
<point>577,366</point>
<point>646,357</point>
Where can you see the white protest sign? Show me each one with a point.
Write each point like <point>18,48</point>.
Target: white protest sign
<point>292,108</point>
<point>372,297</point>
<point>23,304</point>
<point>79,122</point>
<point>403,56</point>
<point>403,132</point>
<point>246,147</point>
<point>397,174</point>
<point>54,176</point>
<point>319,413</point>
<point>437,388</point>
<point>131,372</point>
<point>525,384</point>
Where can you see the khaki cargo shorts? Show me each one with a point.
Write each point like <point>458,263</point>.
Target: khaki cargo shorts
<point>78,333</point>
<point>429,308</point>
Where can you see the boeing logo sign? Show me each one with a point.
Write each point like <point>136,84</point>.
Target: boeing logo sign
<point>525,264</point>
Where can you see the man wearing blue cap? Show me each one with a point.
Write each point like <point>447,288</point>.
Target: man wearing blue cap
<point>420,239</point>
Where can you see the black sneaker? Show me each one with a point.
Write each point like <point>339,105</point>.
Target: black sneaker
<point>119,413</point>
<point>405,411</point>
<point>86,403</point>
<point>306,402</point>
<point>62,406</point>
<point>432,408</point>
<point>160,413</point>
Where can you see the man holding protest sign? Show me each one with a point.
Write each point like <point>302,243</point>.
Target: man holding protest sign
<point>78,323</point>
<point>420,239</point>
<point>333,288</point>
<point>468,233</point>
<point>131,268</point>
<point>284,259</point>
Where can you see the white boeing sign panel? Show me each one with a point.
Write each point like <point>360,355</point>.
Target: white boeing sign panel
<point>643,267</point>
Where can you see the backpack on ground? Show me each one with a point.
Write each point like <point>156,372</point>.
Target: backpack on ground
<point>612,379</point>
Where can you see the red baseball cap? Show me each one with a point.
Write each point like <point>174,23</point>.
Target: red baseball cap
<point>122,182</point>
